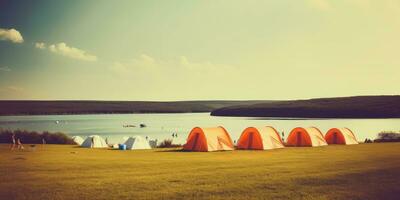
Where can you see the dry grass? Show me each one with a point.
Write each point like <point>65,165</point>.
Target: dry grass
<point>365,171</point>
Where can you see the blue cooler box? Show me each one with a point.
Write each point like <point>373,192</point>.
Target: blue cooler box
<point>122,146</point>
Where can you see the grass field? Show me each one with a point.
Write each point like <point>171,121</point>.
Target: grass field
<point>365,171</point>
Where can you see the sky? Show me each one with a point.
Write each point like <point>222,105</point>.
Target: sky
<point>198,50</point>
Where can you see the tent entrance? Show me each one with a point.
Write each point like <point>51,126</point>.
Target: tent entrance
<point>335,138</point>
<point>251,138</point>
<point>298,139</point>
<point>196,139</point>
<point>254,141</point>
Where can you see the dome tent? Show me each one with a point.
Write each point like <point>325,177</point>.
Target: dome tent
<point>340,136</point>
<point>77,139</point>
<point>137,142</point>
<point>306,137</point>
<point>94,141</point>
<point>261,138</point>
<point>208,139</point>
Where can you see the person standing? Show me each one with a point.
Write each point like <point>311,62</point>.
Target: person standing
<point>13,141</point>
<point>43,142</point>
<point>92,144</point>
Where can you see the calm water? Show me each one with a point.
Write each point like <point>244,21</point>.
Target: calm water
<point>161,126</point>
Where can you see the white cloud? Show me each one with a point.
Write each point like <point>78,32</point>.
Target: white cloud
<point>12,92</point>
<point>5,69</point>
<point>184,62</point>
<point>71,52</point>
<point>322,5</point>
<point>146,62</point>
<point>119,68</point>
<point>141,62</point>
<point>11,35</point>
<point>145,65</point>
<point>40,45</point>
<point>12,89</point>
<point>15,88</point>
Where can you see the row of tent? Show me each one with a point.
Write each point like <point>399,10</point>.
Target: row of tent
<point>95,141</point>
<point>263,138</point>
<point>252,138</point>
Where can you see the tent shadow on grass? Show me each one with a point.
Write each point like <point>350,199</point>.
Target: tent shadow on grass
<point>171,150</point>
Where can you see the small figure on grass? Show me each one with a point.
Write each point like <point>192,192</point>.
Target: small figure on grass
<point>19,145</point>
<point>43,142</point>
<point>13,144</point>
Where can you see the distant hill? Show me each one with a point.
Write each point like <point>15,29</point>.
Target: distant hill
<point>100,107</point>
<point>342,107</point>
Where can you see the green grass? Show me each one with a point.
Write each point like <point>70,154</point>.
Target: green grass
<point>365,171</point>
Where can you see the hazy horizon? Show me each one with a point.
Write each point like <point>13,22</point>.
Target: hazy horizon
<point>198,50</point>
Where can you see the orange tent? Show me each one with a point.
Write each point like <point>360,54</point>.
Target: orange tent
<point>306,137</point>
<point>260,138</point>
<point>208,139</point>
<point>340,136</point>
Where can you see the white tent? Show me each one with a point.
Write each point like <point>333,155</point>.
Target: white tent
<point>309,137</point>
<point>78,140</point>
<point>340,136</point>
<point>260,138</point>
<point>137,142</point>
<point>124,139</point>
<point>94,141</point>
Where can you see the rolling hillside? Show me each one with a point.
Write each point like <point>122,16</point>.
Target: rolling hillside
<point>343,107</point>
<point>100,107</point>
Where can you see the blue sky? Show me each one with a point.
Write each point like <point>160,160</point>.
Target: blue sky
<point>198,50</point>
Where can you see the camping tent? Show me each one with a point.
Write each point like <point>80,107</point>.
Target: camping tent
<point>208,139</point>
<point>260,138</point>
<point>94,141</point>
<point>306,137</point>
<point>340,136</point>
<point>78,140</point>
<point>137,142</point>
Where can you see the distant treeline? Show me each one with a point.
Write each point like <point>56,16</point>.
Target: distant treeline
<point>109,107</point>
<point>388,136</point>
<point>343,107</point>
<point>33,137</point>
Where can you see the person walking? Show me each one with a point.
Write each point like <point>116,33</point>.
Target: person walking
<point>19,145</point>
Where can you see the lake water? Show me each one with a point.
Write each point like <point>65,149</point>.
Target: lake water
<point>161,126</point>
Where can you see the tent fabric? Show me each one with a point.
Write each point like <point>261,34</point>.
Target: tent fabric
<point>78,140</point>
<point>137,142</point>
<point>208,139</point>
<point>260,138</point>
<point>94,141</point>
<point>306,137</point>
<point>340,136</point>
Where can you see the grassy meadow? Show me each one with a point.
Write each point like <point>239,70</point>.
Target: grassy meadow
<point>365,171</point>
